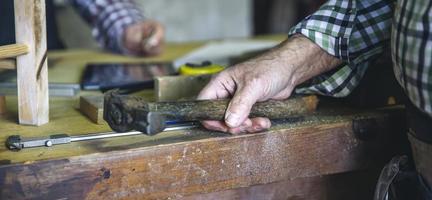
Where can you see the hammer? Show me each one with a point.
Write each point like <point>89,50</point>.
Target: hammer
<point>126,112</point>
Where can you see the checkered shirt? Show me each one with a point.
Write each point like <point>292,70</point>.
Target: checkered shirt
<point>109,19</point>
<point>357,31</point>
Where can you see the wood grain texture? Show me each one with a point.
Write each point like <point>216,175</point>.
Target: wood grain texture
<point>13,50</point>
<point>92,107</point>
<point>32,72</point>
<point>313,147</point>
<point>358,185</point>
<point>128,112</point>
<point>215,109</point>
<point>7,64</point>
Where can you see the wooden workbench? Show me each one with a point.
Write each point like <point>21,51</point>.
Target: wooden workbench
<point>322,149</point>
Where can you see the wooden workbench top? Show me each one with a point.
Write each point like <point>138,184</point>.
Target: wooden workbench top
<point>67,67</point>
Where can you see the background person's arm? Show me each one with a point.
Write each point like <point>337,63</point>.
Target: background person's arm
<point>119,26</point>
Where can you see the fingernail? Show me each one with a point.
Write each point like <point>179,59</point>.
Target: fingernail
<point>257,128</point>
<point>232,120</point>
<point>215,128</point>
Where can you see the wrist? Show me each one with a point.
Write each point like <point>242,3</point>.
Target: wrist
<point>305,59</point>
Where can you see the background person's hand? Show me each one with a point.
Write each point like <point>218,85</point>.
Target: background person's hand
<point>272,75</point>
<point>144,38</point>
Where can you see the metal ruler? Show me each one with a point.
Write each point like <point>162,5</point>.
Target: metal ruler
<point>16,143</point>
<point>54,89</point>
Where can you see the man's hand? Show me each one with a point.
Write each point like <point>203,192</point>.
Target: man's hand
<point>272,75</point>
<point>144,38</point>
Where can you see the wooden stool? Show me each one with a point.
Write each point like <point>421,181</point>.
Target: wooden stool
<point>31,61</point>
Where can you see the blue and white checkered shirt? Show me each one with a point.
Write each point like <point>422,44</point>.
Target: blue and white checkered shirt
<point>356,31</point>
<point>109,19</point>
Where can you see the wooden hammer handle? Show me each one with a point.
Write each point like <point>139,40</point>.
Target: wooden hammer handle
<point>126,112</point>
<point>215,109</point>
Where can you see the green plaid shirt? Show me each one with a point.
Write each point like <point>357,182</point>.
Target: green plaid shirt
<point>356,31</point>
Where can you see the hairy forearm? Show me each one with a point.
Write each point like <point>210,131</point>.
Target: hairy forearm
<point>272,75</point>
<point>301,58</point>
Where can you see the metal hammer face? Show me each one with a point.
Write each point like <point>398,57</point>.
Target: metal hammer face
<point>125,113</point>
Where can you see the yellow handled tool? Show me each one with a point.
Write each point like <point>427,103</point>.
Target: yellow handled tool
<point>200,69</point>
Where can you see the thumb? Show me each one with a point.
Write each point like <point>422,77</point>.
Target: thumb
<point>240,105</point>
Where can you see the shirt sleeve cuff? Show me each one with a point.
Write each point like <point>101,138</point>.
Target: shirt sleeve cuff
<point>338,82</point>
<point>109,31</point>
<point>331,44</point>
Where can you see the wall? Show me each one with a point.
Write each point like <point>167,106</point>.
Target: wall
<point>185,20</point>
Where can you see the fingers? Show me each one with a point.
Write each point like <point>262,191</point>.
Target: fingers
<point>144,38</point>
<point>259,124</point>
<point>219,87</point>
<point>215,125</point>
<point>152,43</point>
<point>236,116</point>
<point>243,128</point>
<point>240,105</point>
<point>253,125</point>
<point>132,38</point>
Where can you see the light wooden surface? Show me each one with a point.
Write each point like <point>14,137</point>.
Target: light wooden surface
<point>8,64</point>
<point>172,88</point>
<point>92,107</point>
<point>13,50</point>
<point>32,68</point>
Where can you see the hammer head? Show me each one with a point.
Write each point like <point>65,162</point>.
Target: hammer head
<point>125,113</point>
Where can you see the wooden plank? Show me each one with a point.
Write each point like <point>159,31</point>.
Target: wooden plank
<point>92,107</point>
<point>2,105</point>
<point>172,88</point>
<point>209,165</point>
<point>7,64</point>
<point>13,50</point>
<point>32,80</point>
<point>359,185</point>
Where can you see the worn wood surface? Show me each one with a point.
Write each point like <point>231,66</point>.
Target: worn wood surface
<point>32,68</point>
<point>314,146</point>
<point>357,185</point>
<point>8,64</point>
<point>127,112</point>
<point>13,50</point>
<point>215,109</point>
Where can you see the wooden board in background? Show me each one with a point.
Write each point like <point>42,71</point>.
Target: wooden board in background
<point>32,68</point>
<point>13,50</point>
<point>8,64</point>
<point>173,88</point>
<point>92,107</point>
